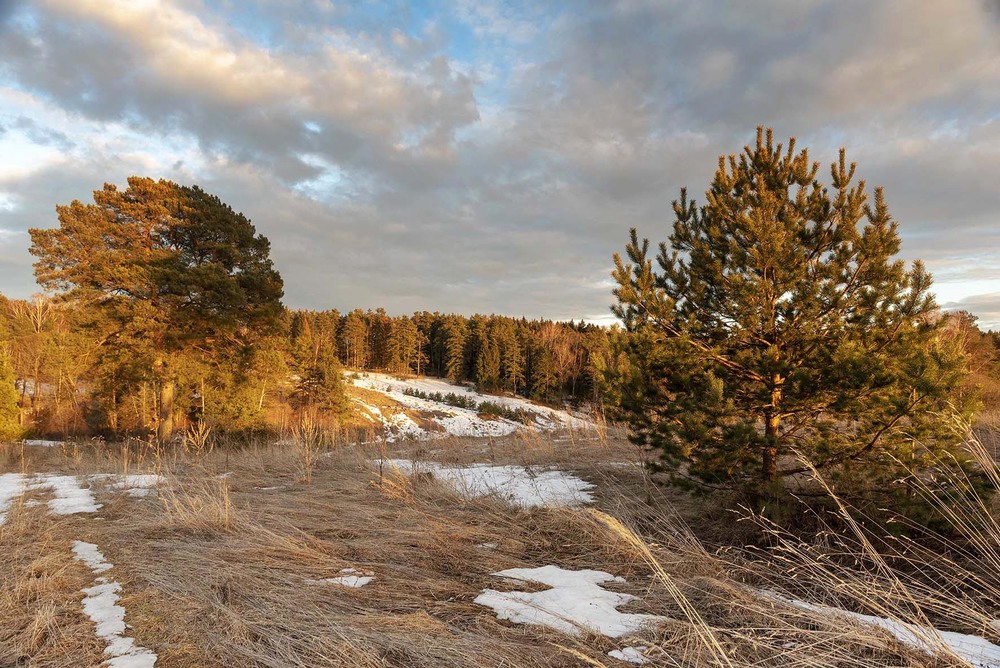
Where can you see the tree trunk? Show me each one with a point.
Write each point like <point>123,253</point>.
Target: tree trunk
<point>168,391</point>
<point>769,470</point>
<point>772,421</point>
<point>165,427</point>
<point>113,410</point>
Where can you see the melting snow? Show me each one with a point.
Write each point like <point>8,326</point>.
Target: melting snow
<point>11,487</point>
<point>91,556</point>
<point>69,496</point>
<point>42,443</point>
<point>575,602</point>
<point>452,419</point>
<point>521,486</point>
<point>397,425</point>
<point>138,486</point>
<point>629,654</point>
<point>134,484</point>
<point>977,651</point>
<point>349,577</point>
<point>101,606</point>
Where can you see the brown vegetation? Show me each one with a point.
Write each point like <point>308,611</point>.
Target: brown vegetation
<point>214,567</point>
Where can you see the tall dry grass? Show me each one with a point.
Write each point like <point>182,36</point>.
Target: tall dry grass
<point>216,564</point>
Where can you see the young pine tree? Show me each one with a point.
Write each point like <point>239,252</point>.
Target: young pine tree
<point>779,323</point>
<point>353,340</point>
<point>321,390</point>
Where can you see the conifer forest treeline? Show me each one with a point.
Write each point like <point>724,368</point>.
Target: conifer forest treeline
<point>72,378</point>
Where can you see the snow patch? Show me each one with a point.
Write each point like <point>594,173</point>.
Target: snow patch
<point>101,606</point>
<point>397,425</point>
<point>11,487</point>
<point>69,495</point>
<point>42,443</point>
<point>575,602</point>
<point>90,556</point>
<point>518,485</point>
<point>454,421</point>
<point>136,485</point>
<point>630,654</point>
<point>977,651</point>
<point>349,577</point>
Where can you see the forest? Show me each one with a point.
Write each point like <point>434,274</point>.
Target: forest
<point>72,380</point>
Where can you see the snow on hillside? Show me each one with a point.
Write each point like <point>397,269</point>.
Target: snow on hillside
<point>575,602</point>
<point>397,425</point>
<point>453,420</point>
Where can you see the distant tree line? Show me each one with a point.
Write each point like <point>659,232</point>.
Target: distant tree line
<point>541,359</point>
<point>64,372</point>
<point>71,371</point>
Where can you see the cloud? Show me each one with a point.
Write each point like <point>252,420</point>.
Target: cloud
<point>164,68</point>
<point>985,306</point>
<point>492,156</point>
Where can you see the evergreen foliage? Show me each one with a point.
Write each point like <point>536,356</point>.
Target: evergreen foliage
<point>170,267</point>
<point>322,388</point>
<point>490,408</point>
<point>778,322</point>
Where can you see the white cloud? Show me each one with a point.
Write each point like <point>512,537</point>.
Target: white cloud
<point>406,167</point>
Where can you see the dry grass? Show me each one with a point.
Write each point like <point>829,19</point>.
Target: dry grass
<point>40,619</point>
<point>214,567</point>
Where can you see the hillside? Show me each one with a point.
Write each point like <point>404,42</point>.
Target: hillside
<point>422,407</point>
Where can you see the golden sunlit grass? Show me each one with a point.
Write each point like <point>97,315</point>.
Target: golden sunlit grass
<point>215,568</point>
<point>41,622</point>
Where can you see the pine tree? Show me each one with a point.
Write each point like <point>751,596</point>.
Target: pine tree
<point>172,266</point>
<point>455,332</point>
<point>511,355</point>
<point>403,347</point>
<point>488,365</point>
<point>353,340</point>
<point>304,345</point>
<point>474,344</point>
<point>322,387</point>
<point>379,328</point>
<point>420,358</point>
<point>542,380</point>
<point>776,326</point>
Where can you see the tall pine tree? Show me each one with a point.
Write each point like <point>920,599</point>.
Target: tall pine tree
<point>173,267</point>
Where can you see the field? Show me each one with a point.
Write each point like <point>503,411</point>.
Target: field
<point>385,553</point>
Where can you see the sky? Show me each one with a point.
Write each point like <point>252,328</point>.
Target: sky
<point>491,156</point>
